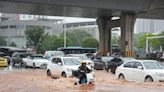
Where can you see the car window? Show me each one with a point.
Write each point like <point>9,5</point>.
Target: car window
<point>129,64</point>
<point>137,64</point>
<point>54,61</point>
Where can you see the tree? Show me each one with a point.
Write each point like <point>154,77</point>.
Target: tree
<point>116,40</point>
<point>90,42</point>
<point>152,42</point>
<point>13,44</point>
<point>2,41</point>
<point>161,40</point>
<point>77,36</point>
<point>35,36</point>
<point>52,42</point>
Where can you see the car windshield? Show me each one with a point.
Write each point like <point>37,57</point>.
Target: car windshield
<point>83,57</point>
<point>153,65</point>
<point>71,61</point>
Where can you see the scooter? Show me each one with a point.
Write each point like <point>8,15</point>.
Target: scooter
<point>89,80</point>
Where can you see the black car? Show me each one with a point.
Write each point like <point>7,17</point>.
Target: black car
<point>106,60</point>
<point>17,58</point>
<point>113,64</point>
<point>98,63</point>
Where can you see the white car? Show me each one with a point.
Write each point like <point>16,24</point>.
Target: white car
<point>62,66</point>
<point>141,70</point>
<point>35,61</point>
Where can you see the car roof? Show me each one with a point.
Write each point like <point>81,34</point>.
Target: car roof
<point>142,60</point>
<point>65,57</point>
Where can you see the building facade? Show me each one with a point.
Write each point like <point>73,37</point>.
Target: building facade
<point>12,27</point>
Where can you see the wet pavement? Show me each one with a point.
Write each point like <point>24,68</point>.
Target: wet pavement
<point>19,79</point>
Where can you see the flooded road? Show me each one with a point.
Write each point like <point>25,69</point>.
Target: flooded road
<point>13,79</point>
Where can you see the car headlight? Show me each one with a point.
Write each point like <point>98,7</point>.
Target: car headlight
<point>160,74</point>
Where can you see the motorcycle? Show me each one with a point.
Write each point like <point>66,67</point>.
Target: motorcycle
<point>87,80</point>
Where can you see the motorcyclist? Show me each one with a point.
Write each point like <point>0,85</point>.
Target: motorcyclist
<point>83,69</point>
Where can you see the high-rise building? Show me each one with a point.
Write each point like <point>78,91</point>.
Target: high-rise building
<point>149,26</point>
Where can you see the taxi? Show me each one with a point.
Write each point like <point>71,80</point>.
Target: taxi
<point>3,62</point>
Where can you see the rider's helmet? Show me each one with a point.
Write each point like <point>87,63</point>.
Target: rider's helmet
<point>83,63</point>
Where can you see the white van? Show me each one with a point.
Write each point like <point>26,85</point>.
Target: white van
<point>49,54</point>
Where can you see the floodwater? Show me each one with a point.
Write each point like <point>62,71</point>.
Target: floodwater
<point>13,79</point>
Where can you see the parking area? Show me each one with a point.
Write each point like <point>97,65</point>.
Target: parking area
<point>17,79</point>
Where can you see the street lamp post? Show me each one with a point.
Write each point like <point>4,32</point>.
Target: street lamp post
<point>65,36</point>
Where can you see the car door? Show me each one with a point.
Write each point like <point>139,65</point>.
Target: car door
<point>55,67</point>
<point>59,67</point>
<point>27,61</point>
<point>138,72</point>
<point>128,70</point>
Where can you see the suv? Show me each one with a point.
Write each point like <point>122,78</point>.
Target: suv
<point>112,65</point>
<point>17,58</point>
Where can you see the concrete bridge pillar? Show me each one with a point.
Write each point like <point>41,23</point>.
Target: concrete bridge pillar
<point>127,22</point>
<point>104,35</point>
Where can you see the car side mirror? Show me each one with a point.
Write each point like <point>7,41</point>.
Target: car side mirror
<point>139,67</point>
<point>60,64</point>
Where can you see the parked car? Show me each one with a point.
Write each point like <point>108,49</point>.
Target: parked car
<point>17,57</point>
<point>98,63</point>
<point>49,54</point>
<point>4,55</point>
<point>141,70</point>
<point>115,62</point>
<point>35,61</point>
<point>84,58</point>
<point>106,60</point>
<point>62,66</point>
<point>3,62</point>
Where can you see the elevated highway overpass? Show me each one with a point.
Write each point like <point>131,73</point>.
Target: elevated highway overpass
<point>103,10</point>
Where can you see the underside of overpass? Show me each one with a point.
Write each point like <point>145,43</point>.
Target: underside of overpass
<point>103,10</point>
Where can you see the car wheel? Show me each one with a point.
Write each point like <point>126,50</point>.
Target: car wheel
<point>34,65</point>
<point>63,74</point>
<point>121,77</point>
<point>148,79</point>
<point>48,73</point>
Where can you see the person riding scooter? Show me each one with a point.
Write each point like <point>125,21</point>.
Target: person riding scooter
<point>83,69</point>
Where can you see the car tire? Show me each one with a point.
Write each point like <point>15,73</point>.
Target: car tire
<point>34,65</point>
<point>148,79</point>
<point>63,74</point>
<point>121,77</point>
<point>49,73</point>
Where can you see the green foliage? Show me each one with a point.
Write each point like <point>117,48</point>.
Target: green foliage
<point>13,44</point>
<point>77,36</point>
<point>90,42</point>
<point>116,40</point>
<point>52,42</point>
<point>34,35</point>
<point>2,41</point>
<point>152,42</point>
<point>161,40</point>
